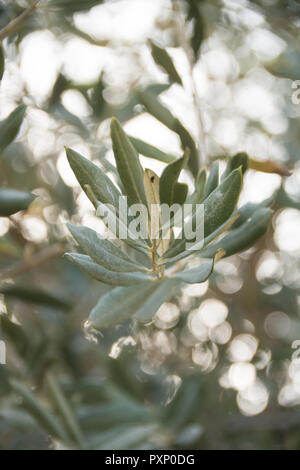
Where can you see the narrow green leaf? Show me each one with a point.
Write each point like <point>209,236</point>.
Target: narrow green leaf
<point>198,194</point>
<point>35,295</point>
<point>286,65</point>
<point>246,211</point>
<point>120,304</point>
<point>218,207</point>
<point>104,275</point>
<point>238,160</point>
<point>242,237</point>
<point>12,201</point>
<point>220,204</point>
<point>187,142</point>
<point>194,249</point>
<point>61,84</point>
<point>10,126</point>
<point>169,179</point>
<point>2,60</point>
<point>198,274</point>
<point>62,406</point>
<point>180,193</point>
<point>43,416</point>
<point>194,14</point>
<point>131,438</point>
<point>89,174</point>
<point>165,290</point>
<point>101,417</point>
<point>128,164</point>
<point>103,251</point>
<point>61,113</point>
<point>162,58</point>
<point>150,151</point>
<point>212,180</point>
<point>155,107</point>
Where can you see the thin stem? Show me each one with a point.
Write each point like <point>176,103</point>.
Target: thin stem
<point>185,44</point>
<point>15,23</point>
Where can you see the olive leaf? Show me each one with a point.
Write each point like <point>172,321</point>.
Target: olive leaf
<point>218,207</point>
<point>119,304</point>
<point>155,107</point>
<point>168,180</point>
<point>90,175</point>
<point>200,273</point>
<point>103,251</point>
<point>238,160</point>
<point>104,275</point>
<point>198,194</point>
<point>128,164</point>
<point>140,303</point>
<point>194,14</point>
<point>12,201</point>
<point>162,58</point>
<point>150,151</point>
<point>10,126</point>
<point>212,180</point>
<point>242,237</point>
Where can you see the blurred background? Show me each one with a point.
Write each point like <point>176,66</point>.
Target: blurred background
<point>217,368</point>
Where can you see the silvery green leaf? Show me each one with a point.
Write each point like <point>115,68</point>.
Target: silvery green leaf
<point>198,194</point>
<point>64,409</point>
<point>218,207</point>
<point>246,211</point>
<point>128,164</point>
<point>105,275</point>
<point>42,415</point>
<point>10,126</point>
<point>90,175</point>
<point>194,14</point>
<point>127,438</point>
<point>12,201</point>
<point>212,180</point>
<point>103,251</point>
<point>162,58</point>
<point>195,248</point>
<point>165,290</point>
<point>150,151</point>
<point>168,180</point>
<point>119,304</point>
<point>199,274</point>
<point>155,107</point>
<point>239,160</point>
<point>242,237</point>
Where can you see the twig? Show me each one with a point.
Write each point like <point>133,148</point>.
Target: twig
<point>37,259</point>
<point>14,24</point>
<point>185,43</point>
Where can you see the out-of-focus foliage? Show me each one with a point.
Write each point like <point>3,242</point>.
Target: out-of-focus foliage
<point>214,368</point>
